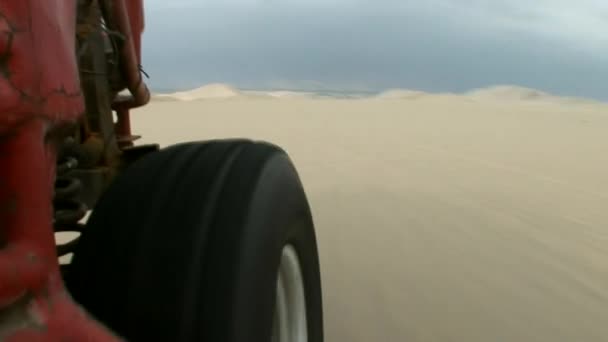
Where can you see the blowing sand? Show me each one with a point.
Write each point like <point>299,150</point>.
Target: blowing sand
<point>439,217</point>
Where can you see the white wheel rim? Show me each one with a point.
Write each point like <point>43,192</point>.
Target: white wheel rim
<point>290,309</point>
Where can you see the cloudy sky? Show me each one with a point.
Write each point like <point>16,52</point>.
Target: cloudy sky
<point>559,46</point>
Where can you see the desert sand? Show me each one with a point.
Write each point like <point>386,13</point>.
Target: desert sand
<point>441,217</point>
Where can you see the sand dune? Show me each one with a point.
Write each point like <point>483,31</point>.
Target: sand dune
<point>280,94</point>
<point>510,93</point>
<point>440,219</point>
<point>225,91</point>
<point>210,91</point>
<point>514,93</point>
<point>401,94</point>
<point>289,94</point>
<point>500,93</point>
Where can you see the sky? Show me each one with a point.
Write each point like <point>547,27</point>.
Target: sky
<point>560,46</point>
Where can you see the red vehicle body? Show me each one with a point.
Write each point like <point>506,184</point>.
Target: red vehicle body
<point>40,92</point>
<point>241,263</point>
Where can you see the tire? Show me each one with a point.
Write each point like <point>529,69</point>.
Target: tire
<point>187,244</point>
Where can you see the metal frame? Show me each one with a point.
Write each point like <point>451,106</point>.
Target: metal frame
<point>42,101</point>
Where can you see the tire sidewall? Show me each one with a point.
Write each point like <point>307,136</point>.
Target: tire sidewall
<point>277,214</point>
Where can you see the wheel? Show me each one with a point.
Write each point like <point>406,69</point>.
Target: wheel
<point>210,241</point>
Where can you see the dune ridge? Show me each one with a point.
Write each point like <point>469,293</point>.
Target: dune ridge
<point>499,93</point>
<point>209,91</point>
<point>523,94</point>
<point>401,94</point>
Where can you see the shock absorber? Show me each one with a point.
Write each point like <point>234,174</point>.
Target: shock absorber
<point>68,210</point>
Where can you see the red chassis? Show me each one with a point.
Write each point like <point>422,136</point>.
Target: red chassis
<point>40,91</point>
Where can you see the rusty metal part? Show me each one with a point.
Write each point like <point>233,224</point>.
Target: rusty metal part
<point>123,128</point>
<point>102,41</point>
<point>67,209</point>
<point>97,93</point>
<point>86,166</point>
<point>110,55</point>
<point>126,17</point>
<point>92,151</point>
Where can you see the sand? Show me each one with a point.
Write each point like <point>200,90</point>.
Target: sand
<point>439,217</point>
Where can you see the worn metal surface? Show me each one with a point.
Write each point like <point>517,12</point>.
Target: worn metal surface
<point>127,17</point>
<point>34,305</point>
<point>38,74</point>
<point>39,91</point>
<point>109,58</point>
<point>94,143</point>
<point>94,75</point>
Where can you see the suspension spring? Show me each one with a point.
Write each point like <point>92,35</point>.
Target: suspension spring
<point>68,210</point>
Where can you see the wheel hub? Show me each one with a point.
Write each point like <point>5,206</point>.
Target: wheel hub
<point>290,309</point>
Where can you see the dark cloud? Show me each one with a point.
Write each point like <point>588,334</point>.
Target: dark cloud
<point>362,46</point>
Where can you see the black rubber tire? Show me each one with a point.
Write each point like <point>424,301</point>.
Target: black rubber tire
<point>185,245</point>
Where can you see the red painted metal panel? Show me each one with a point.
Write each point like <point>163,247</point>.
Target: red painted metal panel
<point>39,88</point>
<point>38,72</point>
<point>129,16</point>
<point>131,27</point>
<point>135,9</point>
<point>34,305</point>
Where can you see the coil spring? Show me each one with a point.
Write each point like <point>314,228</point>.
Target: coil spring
<point>67,210</point>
